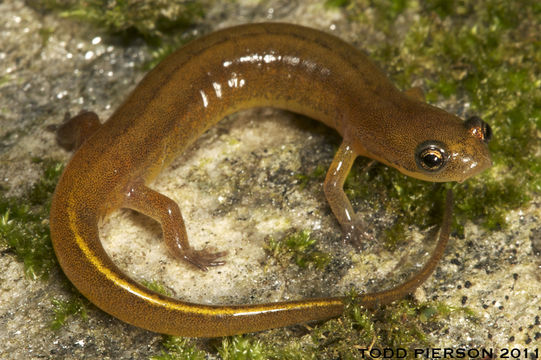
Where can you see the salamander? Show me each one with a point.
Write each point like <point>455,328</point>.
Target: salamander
<point>284,66</point>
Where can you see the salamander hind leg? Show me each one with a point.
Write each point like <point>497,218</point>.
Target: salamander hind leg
<point>164,210</point>
<point>74,131</point>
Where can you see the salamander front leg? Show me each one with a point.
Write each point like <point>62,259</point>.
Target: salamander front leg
<point>164,210</point>
<point>337,199</point>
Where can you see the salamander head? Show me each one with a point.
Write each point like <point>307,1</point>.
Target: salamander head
<point>425,142</point>
<point>460,153</point>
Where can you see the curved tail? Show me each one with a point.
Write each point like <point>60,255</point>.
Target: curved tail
<point>74,233</point>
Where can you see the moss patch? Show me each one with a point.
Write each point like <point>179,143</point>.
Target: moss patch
<point>157,287</point>
<point>178,348</point>
<point>161,24</point>
<point>24,222</point>
<point>298,247</point>
<point>24,231</point>
<point>63,309</point>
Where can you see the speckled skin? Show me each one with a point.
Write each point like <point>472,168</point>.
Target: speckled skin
<point>279,65</point>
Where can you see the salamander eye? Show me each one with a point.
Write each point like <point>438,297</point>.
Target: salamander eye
<point>430,156</point>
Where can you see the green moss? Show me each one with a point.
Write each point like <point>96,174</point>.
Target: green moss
<point>24,227</point>
<point>298,247</point>
<point>167,46</point>
<point>383,13</point>
<point>250,348</point>
<point>293,350</point>
<point>400,325</point>
<point>161,24</point>
<point>148,19</point>
<point>4,79</point>
<point>157,287</point>
<point>24,230</point>
<point>179,348</point>
<point>63,309</point>
<point>45,34</point>
<point>317,175</point>
<point>247,347</point>
<point>243,348</point>
<point>336,3</point>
